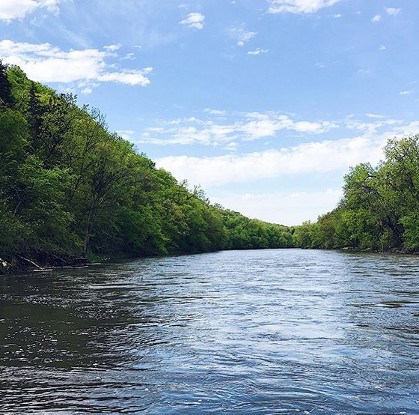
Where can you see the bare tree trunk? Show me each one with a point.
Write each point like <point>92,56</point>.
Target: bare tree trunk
<point>87,233</point>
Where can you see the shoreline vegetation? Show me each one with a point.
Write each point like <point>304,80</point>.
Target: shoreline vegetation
<point>71,191</point>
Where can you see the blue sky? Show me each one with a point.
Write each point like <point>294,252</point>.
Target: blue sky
<point>264,103</point>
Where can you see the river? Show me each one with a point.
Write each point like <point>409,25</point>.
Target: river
<point>235,332</point>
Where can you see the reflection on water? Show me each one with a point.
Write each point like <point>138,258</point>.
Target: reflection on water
<point>263,332</point>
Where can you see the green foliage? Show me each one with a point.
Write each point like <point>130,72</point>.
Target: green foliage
<point>12,231</point>
<point>379,209</point>
<point>69,186</point>
<point>6,98</point>
<point>411,230</point>
<point>245,233</point>
<point>13,143</point>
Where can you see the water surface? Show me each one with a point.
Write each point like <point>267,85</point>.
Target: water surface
<point>246,332</point>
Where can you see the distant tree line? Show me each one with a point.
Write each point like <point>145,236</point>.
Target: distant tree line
<point>379,210</point>
<point>69,187</point>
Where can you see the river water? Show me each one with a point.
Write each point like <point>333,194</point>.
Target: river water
<point>239,332</point>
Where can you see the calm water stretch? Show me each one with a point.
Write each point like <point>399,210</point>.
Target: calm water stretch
<point>250,332</point>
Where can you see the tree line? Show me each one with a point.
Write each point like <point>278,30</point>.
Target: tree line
<point>69,188</point>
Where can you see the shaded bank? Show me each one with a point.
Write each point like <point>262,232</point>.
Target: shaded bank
<point>44,261</point>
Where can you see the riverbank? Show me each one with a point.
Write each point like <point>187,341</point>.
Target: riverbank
<point>39,261</point>
<point>48,261</point>
<point>397,251</point>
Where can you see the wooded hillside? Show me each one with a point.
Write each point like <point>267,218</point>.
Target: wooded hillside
<point>69,187</point>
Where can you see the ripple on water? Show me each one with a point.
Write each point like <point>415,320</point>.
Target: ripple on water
<point>252,332</point>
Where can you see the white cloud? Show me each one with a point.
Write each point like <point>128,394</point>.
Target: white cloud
<point>304,159</point>
<point>286,208</point>
<point>314,157</point>
<point>128,57</point>
<point>377,18</point>
<point>86,91</point>
<point>299,6</point>
<point>222,176</point>
<point>128,77</point>
<point>392,11</point>
<point>407,130</point>
<point>125,134</point>
<point>112,48</point>
<point>215,112</point>
<point>374,116</point>
<point>405,92</point>
<point>240,35</point>
<point>382,47</point>
<point>194,21</point>
<point>371,127</point>
<point>18,9</point>
<point>246,127</point>
<point>337,16</point>
<point>47,63</point>
<point>243,37</point>
<point>257,51</point>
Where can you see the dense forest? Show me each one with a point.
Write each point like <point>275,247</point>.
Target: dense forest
<point>71,189</point>
<point>379,210</point>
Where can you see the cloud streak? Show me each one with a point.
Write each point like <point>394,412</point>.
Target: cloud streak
<point>247,127</point>
<point>299,6</point>
<point>257,51</point>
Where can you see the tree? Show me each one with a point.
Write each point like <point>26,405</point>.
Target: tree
<point>6,98</point>
<point>57,123</point>
<point>13,145</point>
<point>36,111</point>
